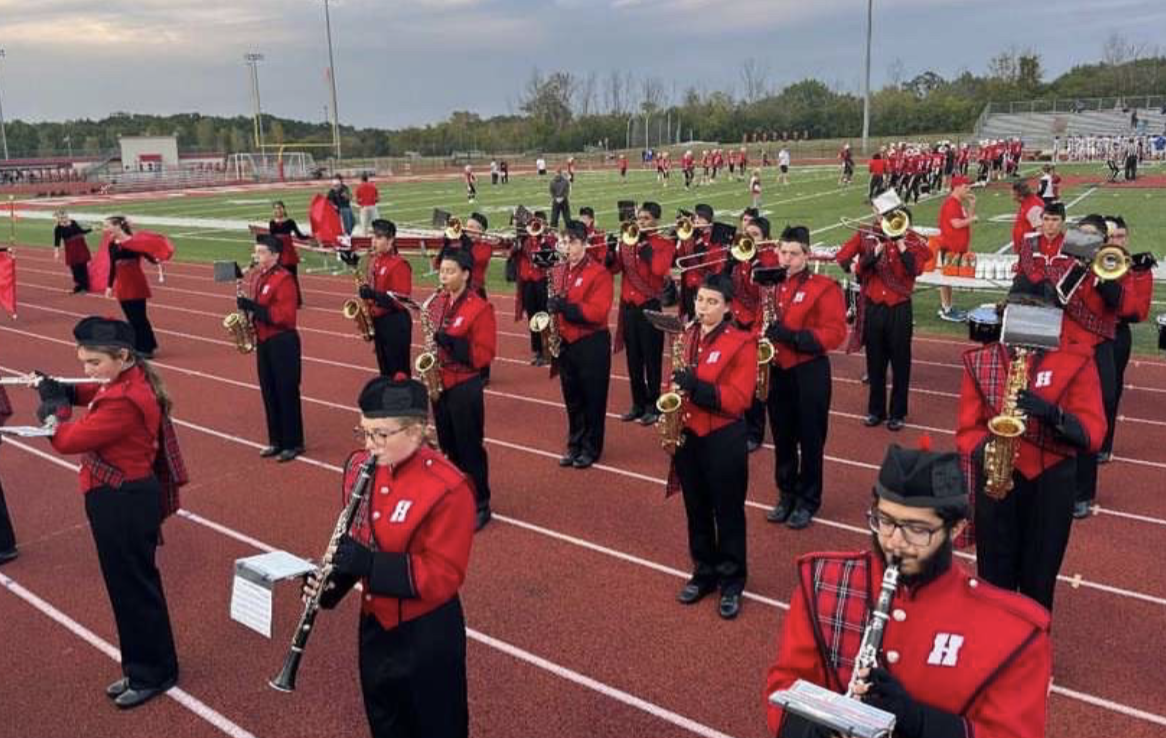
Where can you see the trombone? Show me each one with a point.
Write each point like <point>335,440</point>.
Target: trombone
<point>743,248</point>
<point>894,224</point>
<point>683,229</point>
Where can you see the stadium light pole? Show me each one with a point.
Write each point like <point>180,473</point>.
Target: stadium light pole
<point>332,80</point>
<point>3,134</point>
<point>252,59</point>
<point>866,85</point>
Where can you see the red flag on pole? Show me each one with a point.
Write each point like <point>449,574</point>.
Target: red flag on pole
<point>325,221</point>
<point>8,282</point>
<point>99,266</point>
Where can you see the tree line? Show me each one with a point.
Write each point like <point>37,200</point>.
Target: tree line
<point>563,111</point>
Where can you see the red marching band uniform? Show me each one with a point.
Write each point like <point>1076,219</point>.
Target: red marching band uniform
<point>275,290</point>
<point>642,280</point>
<point>1023,226</point>
<point>388,272</point>
<point>589,286</point>
<point>956,644</point>
<point>699,265</point>
<point>813,303</point>
<point>470,318</point>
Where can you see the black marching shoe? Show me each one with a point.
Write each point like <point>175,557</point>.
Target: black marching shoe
<point>1081,510</point>
<point>567,459</point>
<point>730,605</point>
<point>132,697</point>
<point>780,512</point>
<point>116,689</point>
<point>649,418</point>
<point>752,445</point>
<point>694,592</point>
<point>268,452</point>
<point>799,519</point>
<point>634,414</point>
<point>1104,457</point>
<point>895,424</point>
<point>288,454</point>
<point>871,420</point>
<point>9,555</point>
<point>484,516</point>
<point>584,460</point>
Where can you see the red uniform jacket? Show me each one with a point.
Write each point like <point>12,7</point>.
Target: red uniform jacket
<point>125,275</point>
<point>275,290</point>
<point>890,279</point>
<point>746,304</point>
<point>953,239</point>
<point>643,280</point>
<point>957,644</point>
<point>597,243</point>
<point>390,273</point>
<point>877,167</point>
<point>469,317</point>
<point>421,519</point>
<point>590,287</point>
<point>814,303</point>
<point>121,427</point>
<point>367,194</point>
<point>1022,225</point>
<point>726,358</point>
<point>481,251</point>
<point>527,271</point>
<point>1067,377</point>
<point>700,244</point>
<point>1088,320</point>
<point>1136,296</point>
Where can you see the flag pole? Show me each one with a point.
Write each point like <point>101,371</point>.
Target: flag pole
<point>11,221</point>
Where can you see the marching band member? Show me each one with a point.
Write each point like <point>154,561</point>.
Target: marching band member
<point>956,216</point>
<point>1029,214</point>
<point>811,322</point>
<point>1135,308</point>
<point>128,284</point>
<point>534,254</point>
<point>645,267</point>
<point>466,336</point>
<point>130,474</point>
<point>583,296</point>
<point>471,184</point>
<point>846,156</point>
<point>72,235</point>
<point>596,238</point>
<point>886,268</point>
<point>480,249</point>
<point>691,279</point>
<point>409,548</point>
<point>712,466</point>
<point>746,309</point>
<point>389,275</point>
<point>959,657</point>
<point>8,550</point>
<point>272,307</point>
<point>284,228</point>
<point>1021,538</point>
<point>877,166</point>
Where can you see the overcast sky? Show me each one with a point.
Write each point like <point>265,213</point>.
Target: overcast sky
<point>404,62</point>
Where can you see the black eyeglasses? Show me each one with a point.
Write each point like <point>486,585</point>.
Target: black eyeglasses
<point>916,534</point>
<point>360,435</point>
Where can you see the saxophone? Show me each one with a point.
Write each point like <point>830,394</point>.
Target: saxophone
<point>239,324</point>
<point>357,310</point>
<point>545,324</point>
<point>671,422</point>
<point>427,366</point>
<point>765,348</point>
<point>1006,428</point>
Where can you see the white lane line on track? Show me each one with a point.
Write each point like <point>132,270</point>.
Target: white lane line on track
<point>514,651</point>
<point>196,706</point>
<point>638,561</point>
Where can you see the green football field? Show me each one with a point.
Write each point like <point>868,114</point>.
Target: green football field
<point>813,197</point>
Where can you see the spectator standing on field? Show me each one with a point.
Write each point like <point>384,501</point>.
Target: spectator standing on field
<point>367,197</point>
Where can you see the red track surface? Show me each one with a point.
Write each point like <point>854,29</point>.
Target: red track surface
<point>578,573</point>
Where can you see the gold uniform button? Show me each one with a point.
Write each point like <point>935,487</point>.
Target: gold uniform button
<point>899,615</point>
<point>892,657</point>
<point>384,490</point>
<point>973,583</point>
<point>376,515</point>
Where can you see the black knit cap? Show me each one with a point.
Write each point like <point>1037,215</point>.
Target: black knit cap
<point>722,233</point>
<point>384,228</point>
<point>763,224</point>
<point>97,331</point>
<point>922,479</point>
<point>704,211</point>
<point>587,210</point>
<point>627,210</point>
<point>800,234</point>
<point>576,229</point>
<point>1055,208</point>
<point>719,283</point>
<point>652,207</point>
<point>272,243</point>
<point>482,220</point>
<point>462,257</point>
<point>398,397</point>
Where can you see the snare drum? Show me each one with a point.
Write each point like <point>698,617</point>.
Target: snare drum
<point>984,324</point>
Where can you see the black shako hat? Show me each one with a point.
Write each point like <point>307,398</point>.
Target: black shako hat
<point>463,258</point>
<point>719,283</point>
<point>652,208</point>
<point>96,331</point>
<point>274,244</point>
<point>922,479</point>
<point>704,211</point>
<point>384,228</point>
<point>482,220</point>
<point>398,397</point>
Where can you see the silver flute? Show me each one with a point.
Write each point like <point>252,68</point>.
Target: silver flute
<point>34,380</point>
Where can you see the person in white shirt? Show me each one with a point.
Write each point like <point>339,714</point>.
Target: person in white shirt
<point>783,165</point>
<point>541,165</point>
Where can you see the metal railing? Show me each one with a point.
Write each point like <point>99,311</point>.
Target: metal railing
<point>1119,103</point>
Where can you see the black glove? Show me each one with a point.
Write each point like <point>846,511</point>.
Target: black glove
<point>908,258</point>
<point>258,312</point>
<point>913,719</point>
<point>779,333</point>
<point>384,299</point>
<point>352,558</point>
<point>1144,262</point>
<point>367,293</point>
<point>246,303</point>
<point>555,304</point>
<point>50,390</point>
<point>1037,407</point>
<point>1110,291</point>
<point>869,259</point>
<point>610,256</point>
<point>685,380</point>
<point>612,241</point>
<point>58,407</point>
<point>573,313</point>
<point>458,348</point>
<point>646,253</point>
<point>349,257</point>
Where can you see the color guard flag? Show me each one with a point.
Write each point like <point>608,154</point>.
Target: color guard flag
<point>8,282</point>
<point>99,266</point>
<point>325,221</point>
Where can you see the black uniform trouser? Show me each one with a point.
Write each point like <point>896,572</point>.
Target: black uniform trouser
<point>485,372</point>
<point>755,421</point>
<point>714,476</point>
<point>135,312</point>
<point>7,535</point>
<point>688,301</point>
<point>280,370</point>
<point>1021,540</point>
<point>1122,345</point>
<point>391,343</point>
<point>1131,172</point>
<point>413,676</point>
<point>1087,462</point>
<point>886,334</point>
<point>294,271</point>
<point>875,187</point>
<point>560,208</point>
<point>460,417</point>
<point>81,275</point>
<point>585,376</point>
<point>125,523</point>
<point>799,416</point>
<point>644,346</point>
<point>534,300</point>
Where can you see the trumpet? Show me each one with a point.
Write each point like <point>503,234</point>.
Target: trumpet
<point>1110,263</point>
<point>535,227</point>
<point>453,229</point>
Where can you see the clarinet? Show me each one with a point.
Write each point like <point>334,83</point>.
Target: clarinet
<point>872,637</point>
<point>285,681</point>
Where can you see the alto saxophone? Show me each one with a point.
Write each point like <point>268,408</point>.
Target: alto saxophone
<point>427,366</point>
<point>546,326</point>
<point>765,348</point>
<point>1006,428</point>
<point>671,422</point>
<point>357,310</point>
<point>239,324</point>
